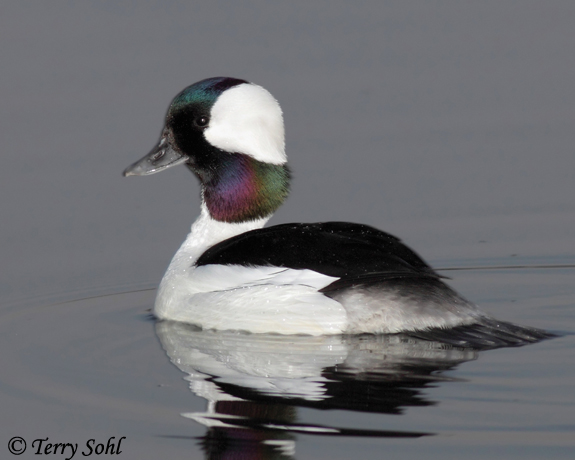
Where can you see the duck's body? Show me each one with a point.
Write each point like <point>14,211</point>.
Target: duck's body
<point>327,278</point>
<point>231,273</point>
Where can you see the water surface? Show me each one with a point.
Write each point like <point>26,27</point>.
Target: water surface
<point>172,388</point>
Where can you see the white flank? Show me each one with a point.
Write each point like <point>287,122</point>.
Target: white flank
<point>247,119</point>
<point>260,300</point>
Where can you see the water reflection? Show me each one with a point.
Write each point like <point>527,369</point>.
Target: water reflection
<point>254,383</point>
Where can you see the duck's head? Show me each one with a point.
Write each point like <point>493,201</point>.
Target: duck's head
<point>230,134</point>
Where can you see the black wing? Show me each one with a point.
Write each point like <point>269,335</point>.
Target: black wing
<point>338,249</point>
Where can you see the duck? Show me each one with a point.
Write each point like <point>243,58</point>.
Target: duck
<point>233,273</point>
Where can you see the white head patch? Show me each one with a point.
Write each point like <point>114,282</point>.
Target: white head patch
<point>247,119</point>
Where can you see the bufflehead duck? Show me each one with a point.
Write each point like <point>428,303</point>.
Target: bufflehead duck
<point>318,278</point>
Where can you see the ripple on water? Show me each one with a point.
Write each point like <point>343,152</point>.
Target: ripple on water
<point>96,367</point>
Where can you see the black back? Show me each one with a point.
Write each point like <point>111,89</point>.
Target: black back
<point>338,249</point>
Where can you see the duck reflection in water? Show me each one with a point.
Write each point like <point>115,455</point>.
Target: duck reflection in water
<point>253,383</point>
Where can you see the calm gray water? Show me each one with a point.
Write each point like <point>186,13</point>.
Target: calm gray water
<point>447,124</point>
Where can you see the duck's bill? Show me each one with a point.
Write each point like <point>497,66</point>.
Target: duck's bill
<point>160,158</point>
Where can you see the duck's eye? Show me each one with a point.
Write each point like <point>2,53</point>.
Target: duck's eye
<point>202,121</point>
